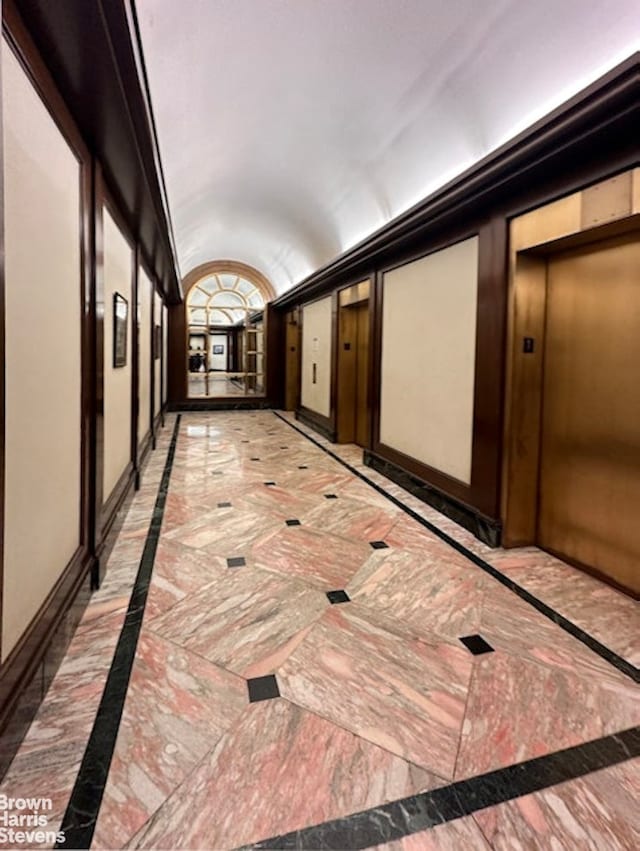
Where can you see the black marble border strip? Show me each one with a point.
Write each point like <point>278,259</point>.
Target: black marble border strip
<point>81,815</point>
<point>411,815</point>
<point>589,641</point>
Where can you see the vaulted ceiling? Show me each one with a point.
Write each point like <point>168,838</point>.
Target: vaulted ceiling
<point>289,130</point>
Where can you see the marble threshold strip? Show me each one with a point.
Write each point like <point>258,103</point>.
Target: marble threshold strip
<point>81,815</point>
<point>592,643</point>
<point>408,816</point>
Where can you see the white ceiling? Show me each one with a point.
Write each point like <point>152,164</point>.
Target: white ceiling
<point>291,129</point>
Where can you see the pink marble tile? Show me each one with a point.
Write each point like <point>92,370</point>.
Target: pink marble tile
<point>224,532</point>
<point>260,771</point>
<point>401,694</point>
<point>179,571</point>
<point>460,835</point>
<point>246,620</point>
<point>178,706</point>
<point>420,595</point>
<point>598,812</point>
<point>501,729</point>
<point>351,519</point>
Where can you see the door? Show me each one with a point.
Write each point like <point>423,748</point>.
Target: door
<point>589,492</point>
<point>353,374</point>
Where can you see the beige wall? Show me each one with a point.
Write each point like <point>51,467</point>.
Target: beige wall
<point>157,402</point>
<point>428,358</point>
<point>43,352</point>
<point>117,382</point>
<point>316,348</point>
<point>145,294</point>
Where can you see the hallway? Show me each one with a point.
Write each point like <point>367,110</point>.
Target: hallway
<point>375,696</point>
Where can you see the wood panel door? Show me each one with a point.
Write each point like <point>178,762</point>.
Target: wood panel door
<point>589,490</point>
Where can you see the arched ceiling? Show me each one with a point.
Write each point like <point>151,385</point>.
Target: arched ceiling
<point>291,129</point>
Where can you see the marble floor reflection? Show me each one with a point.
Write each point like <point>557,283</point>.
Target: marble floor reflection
<point>375,697</point>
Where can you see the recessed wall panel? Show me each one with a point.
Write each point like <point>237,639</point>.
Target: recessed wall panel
<point>157,363</point>
<point>117,380</point>
<point>428,358</point>
<point>43,352</point>
<point>316,356</point>
<point>145,296</point>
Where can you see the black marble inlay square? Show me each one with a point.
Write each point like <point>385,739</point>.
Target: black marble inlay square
<point>338,597</point>
<point>303,467</point>
<point>255,459</point>
<point>216,472</point>
<point>330,496</point>
<point>244,441</point>
<point>379,545</point>
<point>263,688</point>
<point>224,505</point>
<point>270,484</point>
<point>284,447</point>
<point>476,644</point>
<point>236,561</point>
<point>293,523</point>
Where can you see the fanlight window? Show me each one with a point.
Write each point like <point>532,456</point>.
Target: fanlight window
<point>222,299</point>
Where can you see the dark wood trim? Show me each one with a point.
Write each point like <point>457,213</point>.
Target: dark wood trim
<point>152,365</point>
<point>135,365</point>
<point>113,503</point>
<point>333,368</point>
<point>375,367</point>
<point>274,357</point>
<point>487,529</point>
<point>323,425</point>
<point>440,480</point>
<point>22,664</point>
<point>144,448</point>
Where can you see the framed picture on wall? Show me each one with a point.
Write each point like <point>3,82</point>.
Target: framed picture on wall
<point>218,350</point>
<point>120,317</point>
<point>157,341</point>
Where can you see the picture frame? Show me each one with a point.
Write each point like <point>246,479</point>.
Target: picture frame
<point>120,322</point>
<point>157,341</point>
<point>218,350</point>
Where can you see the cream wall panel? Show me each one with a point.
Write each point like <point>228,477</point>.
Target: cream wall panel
<point>157,365</point>
<point>43,352</point>
<point>316,348</point>
<point>165,346</point>
<point>428,358</point>
<point>145,295</point>
<point>117,382</point>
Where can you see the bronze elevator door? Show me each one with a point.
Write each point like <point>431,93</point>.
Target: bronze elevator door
<point>589,493</point>
<point>353,371</point>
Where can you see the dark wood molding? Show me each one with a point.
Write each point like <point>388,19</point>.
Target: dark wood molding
<point>274,342</point>
<point>135,363</point>
<point>113,503</point>
<point>323,425</point>
<point>144,448</point>
<point>333,367</point>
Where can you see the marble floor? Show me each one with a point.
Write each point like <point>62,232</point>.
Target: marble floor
<point>317,669</point>
<point>219,385</point>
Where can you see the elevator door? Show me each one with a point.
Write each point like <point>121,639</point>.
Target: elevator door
<point>590,448</point>
<point>353,374</point>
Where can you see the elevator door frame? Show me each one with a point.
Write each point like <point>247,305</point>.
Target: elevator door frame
<point>608,209</point>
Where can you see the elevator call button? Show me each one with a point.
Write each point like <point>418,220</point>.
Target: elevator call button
<point>528,345</point>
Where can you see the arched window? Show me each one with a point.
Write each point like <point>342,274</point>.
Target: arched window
<point>222,298</point>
